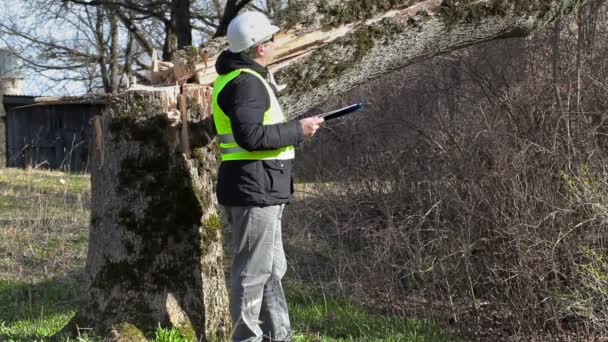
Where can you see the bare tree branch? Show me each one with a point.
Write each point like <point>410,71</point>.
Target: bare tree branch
<point>136,31</point>
<point>231,10</point>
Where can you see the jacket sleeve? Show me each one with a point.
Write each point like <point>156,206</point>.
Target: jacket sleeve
<point>245,101</point>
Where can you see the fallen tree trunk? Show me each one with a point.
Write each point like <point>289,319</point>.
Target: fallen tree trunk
<point>328,47</point>
<point>391,39</point>
<point>155,253</point>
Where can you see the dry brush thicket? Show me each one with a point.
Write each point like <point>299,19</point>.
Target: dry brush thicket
<point>477,180</point>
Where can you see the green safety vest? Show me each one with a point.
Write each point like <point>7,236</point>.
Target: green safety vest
<point>229,149</point>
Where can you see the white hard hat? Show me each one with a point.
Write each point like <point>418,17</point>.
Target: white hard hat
<point>248,29</point>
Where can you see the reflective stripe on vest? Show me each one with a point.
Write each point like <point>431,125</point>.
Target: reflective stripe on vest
<point>229,148</point>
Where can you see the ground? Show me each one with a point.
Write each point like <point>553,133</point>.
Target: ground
<point>44,218</point>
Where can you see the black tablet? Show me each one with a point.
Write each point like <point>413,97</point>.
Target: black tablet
<point>334,114</point>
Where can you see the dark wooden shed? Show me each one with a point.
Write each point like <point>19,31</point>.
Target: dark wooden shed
<point>52,135</point>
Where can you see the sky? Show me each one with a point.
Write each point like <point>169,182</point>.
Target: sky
<point>35,83</point>
<point>48,82</point>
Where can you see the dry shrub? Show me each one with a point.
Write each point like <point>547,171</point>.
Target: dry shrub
<point>478,178</point>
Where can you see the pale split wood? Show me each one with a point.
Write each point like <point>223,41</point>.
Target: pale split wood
<point>162,77</point>
<point>206,96</point>
<point>161,71</point>
<point>154,61</point>
<point>177,315</point>
<point>98,132</point>
<point>163,65</point>
<point>174,117</point>
<point>185,136</point>
<point>179,73</point>
<point>290,46</point>
<point>204,57</point>
<point>201,95</point>
<point>199,74</point>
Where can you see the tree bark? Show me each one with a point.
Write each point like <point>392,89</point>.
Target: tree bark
<point>114,47</point>
<point>101,47</point>
<point>178,29</point>
<point>180,19</point>
<point>155,253</point>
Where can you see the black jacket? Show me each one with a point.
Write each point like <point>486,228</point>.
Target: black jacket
<point>245,100</point>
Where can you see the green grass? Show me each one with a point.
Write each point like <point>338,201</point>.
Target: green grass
<point>44,220</point>
<point>333,318</point>
<point>37,311</point>
<point>30,311</point>
<point>46,181</point>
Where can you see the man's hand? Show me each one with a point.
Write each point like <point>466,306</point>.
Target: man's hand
<point>311,125</point>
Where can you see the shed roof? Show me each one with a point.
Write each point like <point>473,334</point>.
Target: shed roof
<point>26,100</point>
<point>21,100</point>
<point>12,102</point>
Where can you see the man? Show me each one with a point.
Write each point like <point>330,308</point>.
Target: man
<point>255,176</point>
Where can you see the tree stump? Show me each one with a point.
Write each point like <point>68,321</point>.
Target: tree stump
<point>155,253</point>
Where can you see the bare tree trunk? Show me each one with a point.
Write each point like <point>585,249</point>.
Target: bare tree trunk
<point>170,44</point>
<point>178,29</point>
<point>101,47</point>
<point>155,254</point>
<point>114,47</point>
<point>180,20</point>
<point>127,69</point>
<point>2,134</point>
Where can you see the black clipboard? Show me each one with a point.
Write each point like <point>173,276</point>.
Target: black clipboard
<point>334,114</point>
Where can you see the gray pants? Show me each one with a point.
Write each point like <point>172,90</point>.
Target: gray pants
<point>257,302</point>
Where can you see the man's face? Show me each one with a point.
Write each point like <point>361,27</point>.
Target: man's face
<point>266,52</point>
